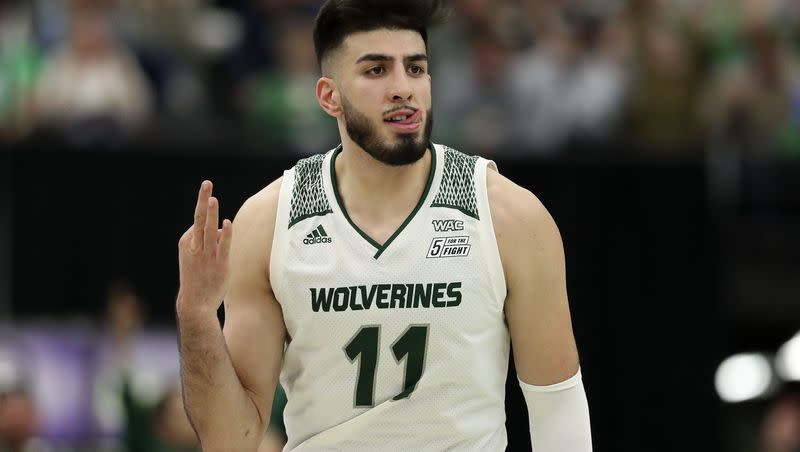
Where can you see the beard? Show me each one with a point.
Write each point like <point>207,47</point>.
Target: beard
<point>407,150</point>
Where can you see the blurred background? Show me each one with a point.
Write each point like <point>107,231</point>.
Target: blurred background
<point>663,135</point>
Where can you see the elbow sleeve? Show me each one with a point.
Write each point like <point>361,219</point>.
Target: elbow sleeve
<point>558,416</point>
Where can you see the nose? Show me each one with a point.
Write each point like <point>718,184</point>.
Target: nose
<point>400,89</point>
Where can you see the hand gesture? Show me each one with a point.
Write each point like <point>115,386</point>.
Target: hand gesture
<point>203,256</point>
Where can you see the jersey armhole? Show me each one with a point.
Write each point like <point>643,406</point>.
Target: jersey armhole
<point>491,248</point>
<point>280,240</point>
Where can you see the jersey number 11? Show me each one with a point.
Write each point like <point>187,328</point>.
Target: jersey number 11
<point>410,345</point>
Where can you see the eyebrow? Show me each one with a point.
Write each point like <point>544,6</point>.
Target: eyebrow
<point>386,58</point>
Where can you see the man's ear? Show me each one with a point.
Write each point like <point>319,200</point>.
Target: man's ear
<point>328,97</point>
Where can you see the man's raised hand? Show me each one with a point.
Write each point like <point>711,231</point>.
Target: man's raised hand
<point>203,252</point>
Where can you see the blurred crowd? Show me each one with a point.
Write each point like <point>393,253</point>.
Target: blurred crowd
<point>511,77</point>
<point>126,396</point>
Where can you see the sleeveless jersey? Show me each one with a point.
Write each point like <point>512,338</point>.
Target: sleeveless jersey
<point>393,347</point>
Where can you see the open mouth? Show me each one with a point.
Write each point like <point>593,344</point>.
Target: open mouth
<point>406,120</point>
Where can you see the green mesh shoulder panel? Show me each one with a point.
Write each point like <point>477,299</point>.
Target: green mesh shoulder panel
<point>457,189</point>
<point>308,193</point>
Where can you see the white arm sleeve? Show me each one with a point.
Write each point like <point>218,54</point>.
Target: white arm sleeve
<point>559,416</point>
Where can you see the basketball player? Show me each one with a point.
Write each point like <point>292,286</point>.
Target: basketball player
<point>382,281</point>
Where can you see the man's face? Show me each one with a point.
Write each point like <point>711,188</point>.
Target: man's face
<point>385,92</point>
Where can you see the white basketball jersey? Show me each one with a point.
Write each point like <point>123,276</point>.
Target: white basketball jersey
<point>394,347</point>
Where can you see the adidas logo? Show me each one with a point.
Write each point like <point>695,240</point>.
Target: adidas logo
<point>318,235</point>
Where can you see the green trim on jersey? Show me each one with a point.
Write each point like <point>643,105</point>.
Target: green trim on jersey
<point>339,201</point>
<point>381,248</point>
<point>457,189</point>
<point>308,193</point>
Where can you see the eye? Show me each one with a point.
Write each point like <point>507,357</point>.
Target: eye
<point>416,69</point>
<point>377,70</point>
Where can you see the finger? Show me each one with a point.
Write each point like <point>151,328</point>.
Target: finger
<point>200,213</point>
<point>185,238</point>
<point>225,240</point>
<point>212,220</point>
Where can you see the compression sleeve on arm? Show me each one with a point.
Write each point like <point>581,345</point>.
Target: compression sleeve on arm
<point>558,416</point>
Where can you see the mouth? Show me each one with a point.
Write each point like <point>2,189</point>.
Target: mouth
<point>405,120</point>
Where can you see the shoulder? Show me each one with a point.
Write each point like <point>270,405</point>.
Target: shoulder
<point>514,208</point>
<point>262,206</point>
<point>526,232</point>
<point>254,227</point>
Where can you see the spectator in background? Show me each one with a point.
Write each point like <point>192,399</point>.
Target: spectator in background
<point>18,420</point>
<point>473,95</point>
<point>663,114</point>
<point>280,103</point>
<point>600,76</point>
<point>159,427</point>
<point>478,15</point>
<point>570,85</point>
<point>469,77</point>
<point>162,428</point>
<point>20,61</point>
<point>262,21</point>
<point>529,77</point>
<point>780,430</point>
<point>124,318</point>
<point>754,102</point>
<point>160,33</point>
<point>92,88</point>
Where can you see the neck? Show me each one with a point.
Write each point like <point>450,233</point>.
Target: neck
<point>374,192</point>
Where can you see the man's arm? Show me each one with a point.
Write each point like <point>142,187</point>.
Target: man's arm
<point>229,378</point>
<point>537,312</point>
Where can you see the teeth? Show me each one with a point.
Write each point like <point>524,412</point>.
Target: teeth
<point>398,118</point>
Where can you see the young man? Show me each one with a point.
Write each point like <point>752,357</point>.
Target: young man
<point>382,280</point>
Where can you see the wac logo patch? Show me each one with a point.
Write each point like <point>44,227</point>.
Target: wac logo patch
<point>447,225</point>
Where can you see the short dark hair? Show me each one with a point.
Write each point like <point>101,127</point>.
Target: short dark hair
<point>338,19</point>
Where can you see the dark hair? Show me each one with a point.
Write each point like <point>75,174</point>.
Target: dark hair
<point>339,18</point>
